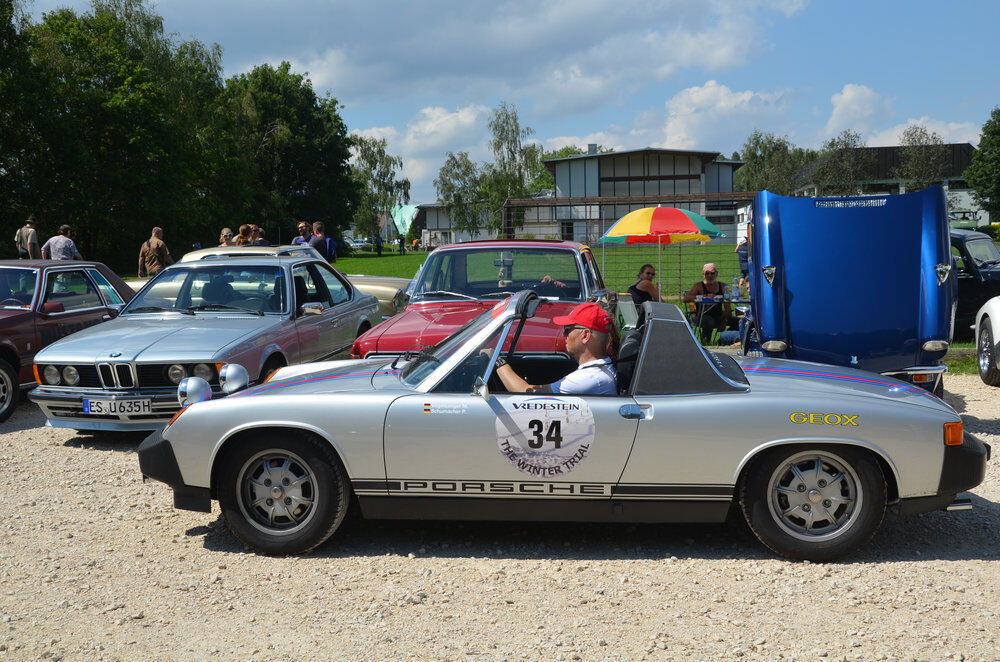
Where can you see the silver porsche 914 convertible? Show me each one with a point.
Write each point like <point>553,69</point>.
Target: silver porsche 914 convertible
<point>811,455</point>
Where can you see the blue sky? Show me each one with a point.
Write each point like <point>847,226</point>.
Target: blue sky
<point>682,74</point>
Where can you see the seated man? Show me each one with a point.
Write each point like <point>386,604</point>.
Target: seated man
<point>586,329</point>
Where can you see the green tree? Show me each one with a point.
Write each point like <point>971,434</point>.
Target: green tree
<point>923,159</point>
<point>983,174</point>
<point>458,188</point>
<point>771,162</point>
<point>847,163</point>
<point>376,175</point>
<point>295,147</point>
<point>507,176</point>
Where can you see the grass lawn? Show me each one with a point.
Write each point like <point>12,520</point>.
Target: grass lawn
<point>390,264</point>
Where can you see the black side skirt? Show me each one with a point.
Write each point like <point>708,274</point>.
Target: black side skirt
<point>544,510</point>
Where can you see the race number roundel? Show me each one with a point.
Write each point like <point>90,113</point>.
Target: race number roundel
<point>545,435</point>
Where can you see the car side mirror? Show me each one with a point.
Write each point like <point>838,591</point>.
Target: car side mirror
<point>481,389</point>
<point>312,308</point>
<point>50,307</point>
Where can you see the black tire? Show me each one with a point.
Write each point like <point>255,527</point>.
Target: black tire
<point>786,487</point>
<point>363,328</point>
<point>271,366</point>
<point>986,355</point>
<point>292,517</point>
<point>10,390</point>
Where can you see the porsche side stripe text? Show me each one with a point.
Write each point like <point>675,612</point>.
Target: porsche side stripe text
<point>372,487</point>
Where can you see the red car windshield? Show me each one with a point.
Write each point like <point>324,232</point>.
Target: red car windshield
<point>495,273</point>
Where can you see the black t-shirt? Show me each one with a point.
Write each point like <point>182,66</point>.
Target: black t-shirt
<point>322,245</point>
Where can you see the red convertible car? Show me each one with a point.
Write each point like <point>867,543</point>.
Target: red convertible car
<point>40,302</point>
<point>459,281</point>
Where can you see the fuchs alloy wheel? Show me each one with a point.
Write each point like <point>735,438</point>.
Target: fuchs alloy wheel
<point>282,492</point>
<point>9,390</point>
<point>814,503</point>
<point>986,355</point>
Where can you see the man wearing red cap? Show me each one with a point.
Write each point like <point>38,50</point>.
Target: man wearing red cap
<point>586,329</point>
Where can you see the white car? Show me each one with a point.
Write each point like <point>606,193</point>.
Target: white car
<point>987,334</point>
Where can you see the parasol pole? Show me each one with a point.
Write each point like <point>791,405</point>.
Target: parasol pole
<point>659,263</point>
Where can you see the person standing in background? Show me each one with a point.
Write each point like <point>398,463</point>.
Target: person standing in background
<point>226,238</point>
<point>26,240</point>
<point>257,237</point>
<point>327,247</point>
<point>243,238</point>
<point>378,244</point>
<point>743,253</point>
<point>61,247</point>
<point>305,234</point>
<point>154,256</point>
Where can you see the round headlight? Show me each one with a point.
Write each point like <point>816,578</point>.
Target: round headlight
<point>51,374</point>
<point>176,373</point>
<point>70,375</point>
<point>192,390</point>
<point>204,371</point>
<point>233,377</point>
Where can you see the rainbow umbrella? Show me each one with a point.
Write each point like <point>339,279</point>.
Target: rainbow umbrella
<point>660,226</point>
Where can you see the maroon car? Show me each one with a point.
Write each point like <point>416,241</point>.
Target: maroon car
<point>459,281</point>
<point>42,301</point>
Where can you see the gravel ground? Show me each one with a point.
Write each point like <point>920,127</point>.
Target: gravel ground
<point>94,564</point>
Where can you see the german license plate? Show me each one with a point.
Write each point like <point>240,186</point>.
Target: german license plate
<point>95,406</point>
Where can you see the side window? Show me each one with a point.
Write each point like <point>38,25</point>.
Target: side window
<point>110,294</point>
<point>335,288</point>
<point>956,256</point>
<point>73,290</point>
<point>306,290</point>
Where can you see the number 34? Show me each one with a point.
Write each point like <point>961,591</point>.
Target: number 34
<point>554,433</point>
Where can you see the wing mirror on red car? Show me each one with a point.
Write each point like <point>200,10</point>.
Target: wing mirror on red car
<point>50,307</point>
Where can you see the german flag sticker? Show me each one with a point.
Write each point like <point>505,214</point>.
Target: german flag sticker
<point>427,407</point>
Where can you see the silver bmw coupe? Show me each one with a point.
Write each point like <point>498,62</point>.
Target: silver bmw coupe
<point>190,320</point>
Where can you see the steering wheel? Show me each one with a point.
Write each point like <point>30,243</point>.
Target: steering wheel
<point>13,302</point>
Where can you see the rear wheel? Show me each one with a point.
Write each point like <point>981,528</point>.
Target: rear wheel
<point>10,390</point>
<point>814,503</point>
<point>282,492</point>
<point>986,355</point>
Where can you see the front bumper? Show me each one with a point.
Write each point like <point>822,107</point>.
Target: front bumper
<point>157,461</point>
<point>64,409</point>
<point>963,468</point>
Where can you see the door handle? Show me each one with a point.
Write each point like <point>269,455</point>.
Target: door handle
<point>335,322</point>
<point>630,411</point>
<point>105,317</point>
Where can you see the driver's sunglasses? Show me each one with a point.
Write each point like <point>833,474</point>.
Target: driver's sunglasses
<point>228,234</point>
<point>570,329</point>
<point>711,273</point>
<point>649,273</point>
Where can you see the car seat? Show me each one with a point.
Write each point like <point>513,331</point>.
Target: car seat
<point>217,291</point>
<point>276,301</point>
<point>628,354</point>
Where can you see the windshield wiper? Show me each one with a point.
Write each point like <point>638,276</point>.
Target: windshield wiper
<point>158,309</point>
<point>493,294</point>
<point>223,306</point>
<point>446,293</point>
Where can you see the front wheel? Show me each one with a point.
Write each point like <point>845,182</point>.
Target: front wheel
<point>817,504</point>
<point>282,492</point>
<point>986,355</point>
<point>10,389</point>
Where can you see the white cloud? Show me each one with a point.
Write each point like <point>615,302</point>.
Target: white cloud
<point>714,117</point>
<point>950,132</point>
<point>858,108</point>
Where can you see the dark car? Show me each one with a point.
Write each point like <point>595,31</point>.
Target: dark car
<point>977,265</point>
<point>40,302</point>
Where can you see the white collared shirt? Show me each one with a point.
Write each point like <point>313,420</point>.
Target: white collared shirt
<point>596,377</point>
